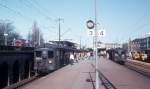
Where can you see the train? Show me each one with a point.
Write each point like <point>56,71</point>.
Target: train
<point>20,63</point>
<point>141,55</point>
<point>51,58</point>
<point>118,55</point>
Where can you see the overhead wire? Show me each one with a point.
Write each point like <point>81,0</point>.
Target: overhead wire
<point>32,5</point>
<point>16,12</point>
<point>49,29</point>
<point>41,7</point>
<point>138,22</point>
<point>65,32</point>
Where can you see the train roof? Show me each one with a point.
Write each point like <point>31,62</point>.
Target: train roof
<point>116,49</point>
<point>61,47</point>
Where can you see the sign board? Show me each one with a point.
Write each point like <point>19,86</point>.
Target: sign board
<point>100,33</point>
<point>90,32</point>
<point>18,43</point>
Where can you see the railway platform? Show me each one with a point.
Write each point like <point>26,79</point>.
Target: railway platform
<point>121,76</point>
<point>81,75</point>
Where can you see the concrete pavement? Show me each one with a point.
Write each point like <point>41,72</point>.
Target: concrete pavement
<point>68,77</point>
<point>122,77</point>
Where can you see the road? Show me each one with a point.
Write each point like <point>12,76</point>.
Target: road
<point>122,77</point>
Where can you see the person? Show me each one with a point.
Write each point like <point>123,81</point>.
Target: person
<point>71,58</point>
<point>75,57</point>
<point>88,55</point>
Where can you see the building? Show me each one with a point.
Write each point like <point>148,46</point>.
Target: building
<point>140,43</point>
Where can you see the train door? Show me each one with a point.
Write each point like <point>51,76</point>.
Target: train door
<point>116,56</point>
<point>67,57</point>
<point>57,58</point>
<point>62,53</point>
<point>38,60</point>
<point>64,57</point>
<point>41,60</point>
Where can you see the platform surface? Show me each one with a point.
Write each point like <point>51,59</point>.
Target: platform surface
<point>68,77</point>
<point>122,77</point>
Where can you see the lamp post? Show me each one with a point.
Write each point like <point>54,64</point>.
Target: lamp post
<point>5,37</point>
<point>96,34</point>
<point>91,25</point>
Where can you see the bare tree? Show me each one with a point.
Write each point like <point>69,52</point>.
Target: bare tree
<point>6,27</point>
<point>35,37</point>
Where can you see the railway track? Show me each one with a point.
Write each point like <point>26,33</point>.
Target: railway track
<point>140,67</point>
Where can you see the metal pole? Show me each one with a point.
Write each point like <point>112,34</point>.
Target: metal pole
<point>39,43</point>
<point>80,42</point>
<point>59,19</point>
<point>59,29</point>
<point>5,41</point>
<point>96,58</point>
<point>147,43</point>
<point>59,40</point>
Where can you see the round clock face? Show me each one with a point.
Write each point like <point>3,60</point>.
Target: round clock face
<point>90,24</point>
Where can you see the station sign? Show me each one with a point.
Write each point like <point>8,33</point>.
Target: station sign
<point>100,33</point>
<point>18,43</point>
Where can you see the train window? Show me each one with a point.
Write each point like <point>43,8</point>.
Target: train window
<point>123,56</point>
<point>119,52</point>
<point>38,53</point>
<point>50,54</point>
<point>116,54</point>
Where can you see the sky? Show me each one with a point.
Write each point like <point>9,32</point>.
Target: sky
<point>122,19</point>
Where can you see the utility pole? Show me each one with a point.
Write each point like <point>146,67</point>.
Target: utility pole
<point>59,20</point>
<point>147,42</point>
<point>59,30</point>
<point>80,42</point>
<point>39,38</point>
